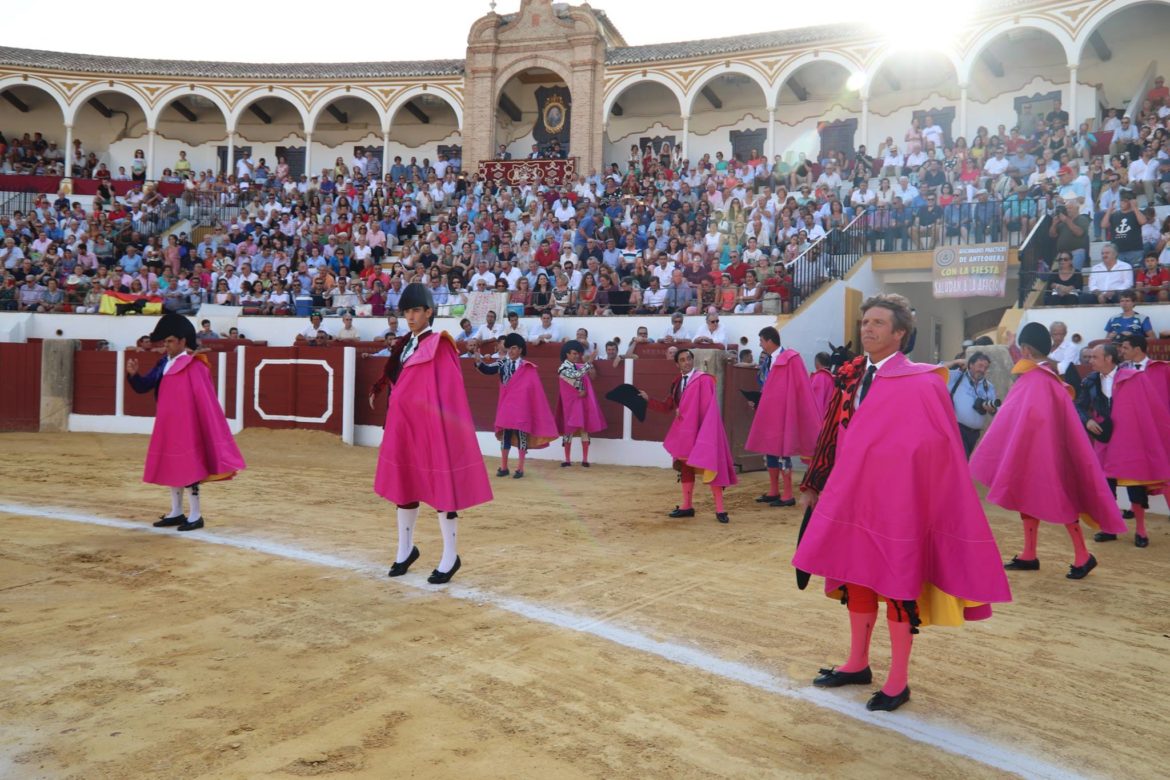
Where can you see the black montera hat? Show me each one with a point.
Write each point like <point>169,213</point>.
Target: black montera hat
<point>171,324</point>
<point>569,346</point>
<point>1037,337</point>
<point>415,295</point>
<point>629,397</point>
<point>516,340</point>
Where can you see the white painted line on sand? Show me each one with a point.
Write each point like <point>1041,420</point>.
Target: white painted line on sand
<point>951,739</point>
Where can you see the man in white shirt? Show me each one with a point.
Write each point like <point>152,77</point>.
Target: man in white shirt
<point>564,210</point>
<point>1064,351</point>
<point>313,330</point>
<point>932,133</point>
<point>830,178</point>
<point>544,331</point>
<point>674,331</point>
<point>710,332</point>
<point>1108,278</point>
<point>393,326</point>
<point>863,196</point>
<point>482,274</point>
<point>488,332</point>
<point>996,165</point>
<point>1143,172</point>
<point>893,162</point>
<point>510,273</point>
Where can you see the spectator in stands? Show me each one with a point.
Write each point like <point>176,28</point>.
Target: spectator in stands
<point>205,332</point>
<point>1129,321</point>
<point>1065,284</point>
<point>710,332</point>
<point>1065,352</point>
<point>680,295</point>
<point>675,331</point>
<point>1108,278</point>
<point>653,299</point>
<point>1152,281</point>
<point>545,331</point>
<point>31,294</point>
<point>488,331</point>
<point>347,332</point>
<point>314,333</point>
<point>1070,228</point>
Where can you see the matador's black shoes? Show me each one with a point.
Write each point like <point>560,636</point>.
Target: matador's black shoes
<point>1141,541</point>
<point>1023,564</point>
<point>722,517</point>
<point>1101,536</point>
<point>783,502</point>
<point>767,499</point>
<point>167,522</point>
<point>502,472</point>
<point>191,525</point>
<point>833,678</point>
<point>442,577</point>
<point>676,512</point>
<point>398,569</point>
<point>881,702</point>
<point>1080,572</point>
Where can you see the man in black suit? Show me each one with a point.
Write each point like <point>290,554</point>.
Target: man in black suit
<point>1095,406</point>
<point>503,153</point>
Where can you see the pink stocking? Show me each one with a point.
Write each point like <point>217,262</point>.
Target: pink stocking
<point>787,474</point>
<point>688,500</point>
<point>1077,536</point>
<point>520,465</point>
<point>901,642</point>
<point>568,450</point>
<point>717,494</point>
<point>1139,518</point>
<point>773,482</point>
<point>860,631</point>
<point>504,459</point>
<point>1031,535</point>
<point>584,452</point>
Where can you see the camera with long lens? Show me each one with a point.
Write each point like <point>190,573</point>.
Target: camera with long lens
<point>983,406</point>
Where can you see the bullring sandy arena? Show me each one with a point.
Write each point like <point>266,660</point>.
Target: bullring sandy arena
<point>586,636</point>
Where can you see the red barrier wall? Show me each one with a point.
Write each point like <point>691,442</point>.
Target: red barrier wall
<point>144,404</point>
<point>298,390</point>
<point>93,382</point>
<point>20,365</point>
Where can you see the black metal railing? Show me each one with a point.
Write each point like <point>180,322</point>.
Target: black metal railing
<point>830,257</point>
<point>24,202</point>
<point>1033,253</point>
<point>210,208</point>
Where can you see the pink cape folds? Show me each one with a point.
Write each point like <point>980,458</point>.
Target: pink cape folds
<point>523,406</point>
<point>191,441</point>
<point>429,450</point>
<point>787,421</point>
<point>899,513</point>
<point>697,438</point>
<point>576,414</point>
<point>1037,459</point>
<point>1139,449</point>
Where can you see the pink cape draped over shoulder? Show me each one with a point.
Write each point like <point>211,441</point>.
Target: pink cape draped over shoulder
<point>1037,459</point>
<point>429,450</point>
<point>190,441</point>
<point>523,406</point>
<point>697,437</point>
<point>899,513</point>
<point>787,421</point>
<point>1139,449</point>
<point>576,414</point>
<point>822,387</point>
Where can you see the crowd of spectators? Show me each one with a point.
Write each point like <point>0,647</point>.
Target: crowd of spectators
<point>657,235</point>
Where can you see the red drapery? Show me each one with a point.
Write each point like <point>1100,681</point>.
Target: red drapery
<point>552,172</point>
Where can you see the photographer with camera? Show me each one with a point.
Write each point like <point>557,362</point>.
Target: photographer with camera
<point>973,396</point>
<point>1070,228</point>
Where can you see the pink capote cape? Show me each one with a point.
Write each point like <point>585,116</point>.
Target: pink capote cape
<point>429,451</point>
<point>899,513</point>
<point>1139,449</point>
<point>787,421</point>
<point>822,389</point>
<point>697,438</point>
<point>1037,459</point>
<point>523,406</point>
<point>190,441</point>
<point>576,414</point>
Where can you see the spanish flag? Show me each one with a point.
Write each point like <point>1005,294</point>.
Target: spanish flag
<point>123,303</point>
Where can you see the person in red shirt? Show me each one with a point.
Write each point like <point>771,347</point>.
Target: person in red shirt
<point>1152,282</point>
<point>546,256</point>
<point>738,268</point>
<point>1160,93</point>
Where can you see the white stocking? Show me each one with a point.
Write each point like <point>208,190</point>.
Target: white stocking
<point>406,520</point>
<point>194,514</point>
<point>176,502</point>
<point>448,526</point>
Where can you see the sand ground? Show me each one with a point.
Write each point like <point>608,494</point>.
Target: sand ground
<point>127,654</point>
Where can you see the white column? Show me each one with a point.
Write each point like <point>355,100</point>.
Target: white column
<point>348,388</point>
<point>385,156</point>
<point>230,166</point>
<point>150,154</point>
<point>221,381</point>
<point>1074,124</point>
<point>68,151</point>
<point>771,142</point>
<point>309,155</point>
<point>963,112</point>
<point>865,124</point>
<point>120,382</point>
<point>686,145</point>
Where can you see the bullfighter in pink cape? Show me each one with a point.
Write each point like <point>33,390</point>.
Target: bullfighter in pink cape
<point>822,384</point>
<point>1125,409</point>
<point>894,515</point>
<point>522,413</point>
<point>1036,459</point>
<point>578,413</point>
<point>787,421</point>
<point>429,451</point>
<point>696,440</point>
<point>191,442</point>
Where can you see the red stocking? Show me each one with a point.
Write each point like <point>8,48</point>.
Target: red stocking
<point>1139,518</point>
<point>787,474</point>
<point>584,452</point>
<point>773,482</point>
<point>521,456</point>
<point>504,459</point>
<point>568,450</point>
